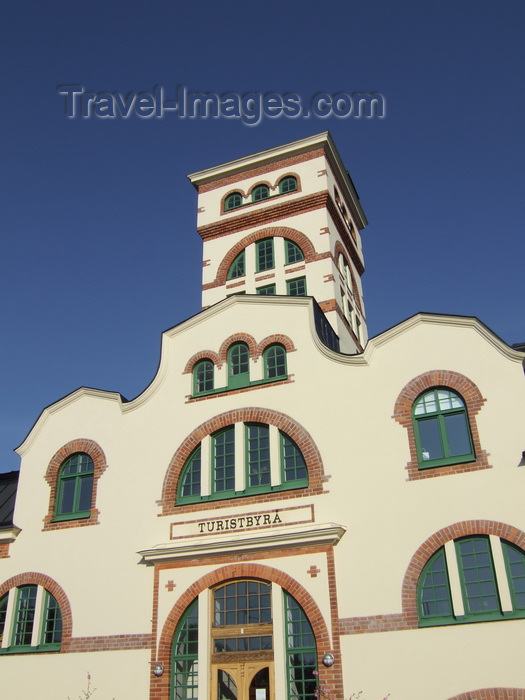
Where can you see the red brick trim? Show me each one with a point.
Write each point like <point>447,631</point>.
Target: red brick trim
<point>288,425</point>
<point>403,415</point>
<point>51,476</point>
<point>4,550</point>
<point>261,216</point>
<point>160,686</point>
<point>36,579</point>
<point>261,170</point>
<point>304,243</point>
<point>492,694</point>
<point>115,642</point>
<point>202,355</point>
<point>237,338</point>
<point>272,340</point>
<point>408,619</point>
<point>245,194</point>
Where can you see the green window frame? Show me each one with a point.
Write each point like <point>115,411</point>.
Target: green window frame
<point>238,366</point>
<point>238,267</point>
<point>301,652</point>
<point>442,429</point>
<point>264,257</point>
<point>203,375</point>
<point>257,460</point>
<point>288,184</point>
<point>233,201</point>
<point>296,287</point>
<point>23,630</point>
<point>223,456</point>
<point>242,602</point>
<point>260,192</point>
<point>75,487</point>
<point>274,358</point>
<point>185,656</point>
<point>189,490</point>
<point>293,252</point>
<point>478,582</point>
<point>267,290</point>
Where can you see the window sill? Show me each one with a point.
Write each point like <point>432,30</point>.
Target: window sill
<point>71,516</point>
<point>40,649</point>
<point>431,463</point>
<point>231,389</point>
<point>472,619</point>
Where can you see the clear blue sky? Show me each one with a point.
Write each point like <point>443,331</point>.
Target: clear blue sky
<point>99,247</point>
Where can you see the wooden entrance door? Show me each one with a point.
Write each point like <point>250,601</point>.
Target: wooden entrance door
<point>245,680</point>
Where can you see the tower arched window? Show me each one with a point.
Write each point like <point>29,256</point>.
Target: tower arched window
<point>275,362</point>
<point>203,374</point>
<point>288,184</point>
<point>442,429</point>
<point>238,365</point>
<point>260,192</point>
<point>238,267</point>
<point>30,631</point>
<point>233,201</point>
<point>293,253</point>
<point>75,487</point>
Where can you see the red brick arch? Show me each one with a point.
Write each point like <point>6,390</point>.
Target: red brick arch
<point>237,338</point>
<point>492,694</point>
<point>202,355</point>
<point>222,575</point>
<point>473,401</point>
<point>96,453</point>
<point>36,579</point>
<point>271,340</point>
<point>438,540</point>
<point>272,232</point>
<point>288,425</point>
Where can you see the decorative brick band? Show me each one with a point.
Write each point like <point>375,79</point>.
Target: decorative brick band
<point>99,463</point>
<point>35,579</point>
<point>492,694</point>
<point>160,686</point>
<point>288,425</point>
<point>116,642</point>
<point>4,550</point>
<point>473,401</point>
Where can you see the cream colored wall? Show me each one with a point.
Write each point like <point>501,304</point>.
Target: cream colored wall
<point>346,404</point>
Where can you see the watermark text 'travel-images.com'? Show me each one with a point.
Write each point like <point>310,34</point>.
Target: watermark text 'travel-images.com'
<point>250,107</point>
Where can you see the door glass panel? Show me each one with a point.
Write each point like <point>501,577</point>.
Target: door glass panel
<point>226,688</point>
<point>260,685</point>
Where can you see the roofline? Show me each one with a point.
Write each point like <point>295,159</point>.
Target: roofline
<point>274,155</point>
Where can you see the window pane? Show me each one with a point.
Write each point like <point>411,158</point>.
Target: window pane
<point>52,621</point>
<point>68,496</point>
<point>430,439</point>
<point>297,287</point>
<point>224,461</point>
<point>191,480</point>
<point>294,466</point>
<point>239,360</point>
<point>238,267</point>
<point>268,290</point>
<point>86,490</point>
<point>275,362</point>
<point>288,184</point>
<point>258,455</point>
<point>264,254</point>
<point>203,376</point>
<point>476,564</point>
<point>260,192</point>
<point>293,252</point>
<point>457,434</point>
<point>25,615</point>
<point>516,566</point>
<point>232,201</point>
<point>434,591</point>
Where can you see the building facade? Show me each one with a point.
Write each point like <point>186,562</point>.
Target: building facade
<point>289,505</point>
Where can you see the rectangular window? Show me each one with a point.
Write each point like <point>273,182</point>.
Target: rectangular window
<point>258,449</point>
<point>25,615</point>
<point>264,255</point>
<point>269,289</point>
<point>224,461</point>
<point>296,287</point>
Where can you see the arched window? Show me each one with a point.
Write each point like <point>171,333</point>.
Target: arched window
<point>29,631</point>
<point>184,655</point>
<point>75,487</point>
<point>470,562</point>
<point>442,429</point>
<point>275,362</point>
<point>293,253</point>
<point>233,201</point>
<point>203,377</point>
<point>288,184</point>
<point>301,652</point>
<point>251,473</point>
<point>260,192</point>
<point>238,365</point>
<point>238,267</point>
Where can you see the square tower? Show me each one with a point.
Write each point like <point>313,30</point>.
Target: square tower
<point>286,221</point>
